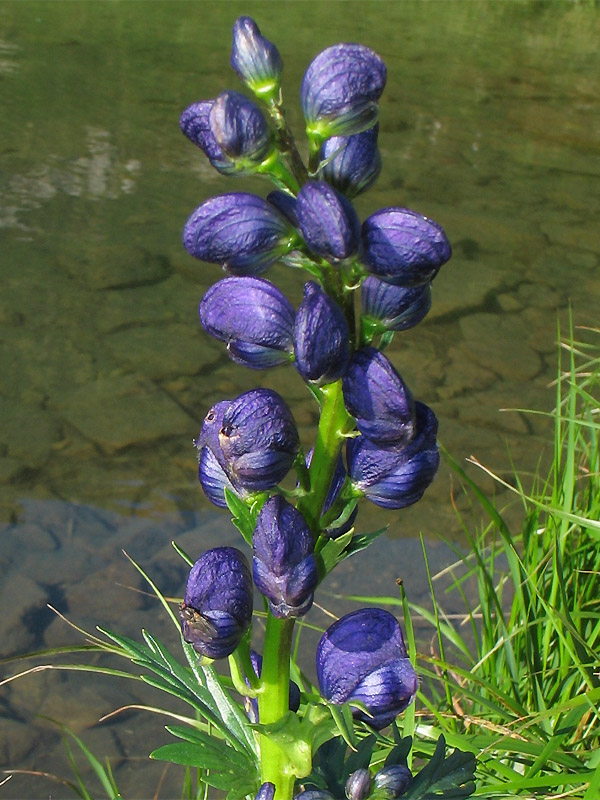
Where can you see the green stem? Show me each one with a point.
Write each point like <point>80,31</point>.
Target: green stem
<point>273,703</point>
<point>286,143</point>
<point>334,423</point>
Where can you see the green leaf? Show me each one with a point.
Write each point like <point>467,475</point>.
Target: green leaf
<point>243,519</point>
<point>451,777</point>
<point>362,540</point>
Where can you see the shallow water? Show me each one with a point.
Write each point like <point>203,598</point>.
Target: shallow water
<point>490,124</point>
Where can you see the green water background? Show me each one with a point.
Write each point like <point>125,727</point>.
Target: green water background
<point>490,124</point>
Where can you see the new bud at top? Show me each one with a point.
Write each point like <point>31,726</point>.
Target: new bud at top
<point>255,59</point>
<point>283,566</point>
<point>403,247</point>
<point>217,607</point>
<point>328,221</point>
<point>353,162</point>
<point>377,396</point>
<point>340,90</point>
<point>387,307</point>
<point>259,439</point>
<point>253,317</point>
<point>240,231</point>
<point>321,337</point>
<point>362,657</point>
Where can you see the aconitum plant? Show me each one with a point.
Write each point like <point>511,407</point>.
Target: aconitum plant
<point>269,734</point>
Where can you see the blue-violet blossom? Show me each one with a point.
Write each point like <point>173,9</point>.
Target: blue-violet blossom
<point>321,337</point>
<point>255,59</point>
<point>328,221</point>
<point>393,781</point>
<point>362,657</point>
<point>352,163</point>
<point>393,308</point>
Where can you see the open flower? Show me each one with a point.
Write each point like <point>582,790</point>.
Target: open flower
<point>258,439</point>
<point>376,395</point>
<point>396,476</point>
<point>283,566</point>
<point>403,247</point>
<point>321,337</point>
<point>253,317</point>
<point>340,90</point>
<point>362,657</point>
<point>255,59</point>
<point>240,231</point>
<point>217,608</point>
<point>328,221</point>
<point>353,163</point>
<point>387,307</point>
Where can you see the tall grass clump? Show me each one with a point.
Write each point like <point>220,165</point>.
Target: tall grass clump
<point>519,680</point>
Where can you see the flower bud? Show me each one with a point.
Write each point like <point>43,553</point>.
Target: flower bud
<point>396,477</point>
<point>321,337</point>
<point>241,231</point>
<point>253,317</point>
<point>393,308</point>
<point>340,90</point>
<point>362,657</point>
<point>195,123</point>
<point>255,59</point>
<point>240,130</point>
<point>284,567</point>
<point>213,472</point>
<point>376,395</point>
<point>328,222</point>
<point>217,607</point>
<point>403,247</point>
<point>251,703</point>
<point>314,794</point>
<point>354,161</point>
<point>359,784</point>
<point>394,780</point>
<point>258,439</point>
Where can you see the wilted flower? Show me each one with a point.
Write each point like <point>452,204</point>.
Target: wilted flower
<point>241,231</point>
<point>321,337</point>
<point>340,90</point>
<point>376,395</point>
<point>284,567</point>
<point>353,163</point>
<point>217,607</point>
<point>362,657</point>
<point>359,784</point>
<point>251,703</point>
<point>403,247</point>
<point>258,439</point>
<point>328,221</point>
<point>394,780</point>
<point>396,476</point>
<point>393,308</point>
<point>253,317</point>
<point>255,59</point>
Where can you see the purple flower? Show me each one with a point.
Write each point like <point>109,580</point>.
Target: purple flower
<point>251,703</point>
<point>393,780</point>
<point>314,794</point>
<point>253,317</point>
<point>393,308</point>
<point>328,222</point>
<point>321,337</point>
<point>376,395</point>
<point>255,59</point>
<point>362,657</point>
<point>258,439</point>
<point>396,477</point>
<point>217,607</point>
<point>359,784</point>
<point>284,567</point>
<point>403,247</point>
<point>231,130</point>
<point>340,90</point>
<point>241,231</point>
<point>213,472</point>
<point>285,204</point>
<point>354,161</point>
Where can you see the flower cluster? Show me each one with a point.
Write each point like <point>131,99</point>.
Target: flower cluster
<point>375,441</point>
